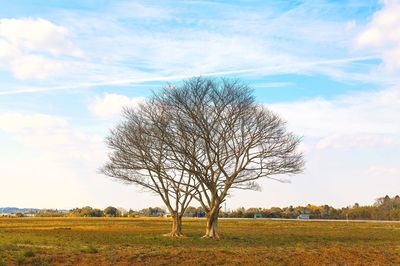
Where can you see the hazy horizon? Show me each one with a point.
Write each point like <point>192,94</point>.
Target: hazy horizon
<point>228,208</point>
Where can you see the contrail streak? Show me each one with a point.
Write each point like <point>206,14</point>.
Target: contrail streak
<point>179,77</point>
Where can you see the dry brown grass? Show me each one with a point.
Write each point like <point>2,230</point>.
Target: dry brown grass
<point>122,241</point>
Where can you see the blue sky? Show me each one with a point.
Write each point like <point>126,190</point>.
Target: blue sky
<point>330,68</point>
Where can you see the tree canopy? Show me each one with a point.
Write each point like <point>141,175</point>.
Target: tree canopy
<point>200,140</point>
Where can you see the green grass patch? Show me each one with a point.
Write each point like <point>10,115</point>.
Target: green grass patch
<point>89,249</point>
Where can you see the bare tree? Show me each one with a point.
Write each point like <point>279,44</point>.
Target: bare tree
<point>217,133</point>
<point>138,155</point>
<point>201,140</point>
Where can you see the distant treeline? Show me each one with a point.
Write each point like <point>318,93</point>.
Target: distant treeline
<point>385,208</point>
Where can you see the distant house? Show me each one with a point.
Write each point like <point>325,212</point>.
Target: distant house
<point>257,215</point>
<point>201,214</point>
<point>157,214</point>
<point>303,216</point>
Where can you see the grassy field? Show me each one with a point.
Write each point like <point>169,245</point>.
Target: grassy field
<point>130,241</point>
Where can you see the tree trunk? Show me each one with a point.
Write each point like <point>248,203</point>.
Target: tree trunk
<point>212,224</point>
<point>176,226</point>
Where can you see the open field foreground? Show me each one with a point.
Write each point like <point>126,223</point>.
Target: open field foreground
<point>135,241</point>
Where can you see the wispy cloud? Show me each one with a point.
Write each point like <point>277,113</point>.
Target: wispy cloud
<point>163,42</point>
<point>303,67</point>
<point>272,84</point>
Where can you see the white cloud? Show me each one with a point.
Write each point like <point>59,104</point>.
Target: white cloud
<point>349,141</point>
<point>357,120</point>
<point>37,35</point>
<point>29,47</point>
<point>7,51</point>
<point>34,66</point>
<point>14,122</point>
<point>382,34</point>
<point>384,171</point>
<point>45,161</point>
<point>40,181</point>
<point>48,163</point>
<point>50,135</point>
<point>111,104</point>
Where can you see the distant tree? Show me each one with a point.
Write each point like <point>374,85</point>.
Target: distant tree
<point>132,213</point>
<point>363,213</point>
<point>275,212</point>
<point>153,212</point>
<point>111,212</point>
<point>396,202</point>
<point>289,212</point>
<point>122,212</point>
<point>86,212</point>
<point>50,213</point>
<point>191,212</point>
<point>241,212</point>
<point>383,202</point>
<point>251,212</point>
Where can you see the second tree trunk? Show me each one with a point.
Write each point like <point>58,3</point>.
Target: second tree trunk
<point>212,225</point>
<point>176,226</point>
